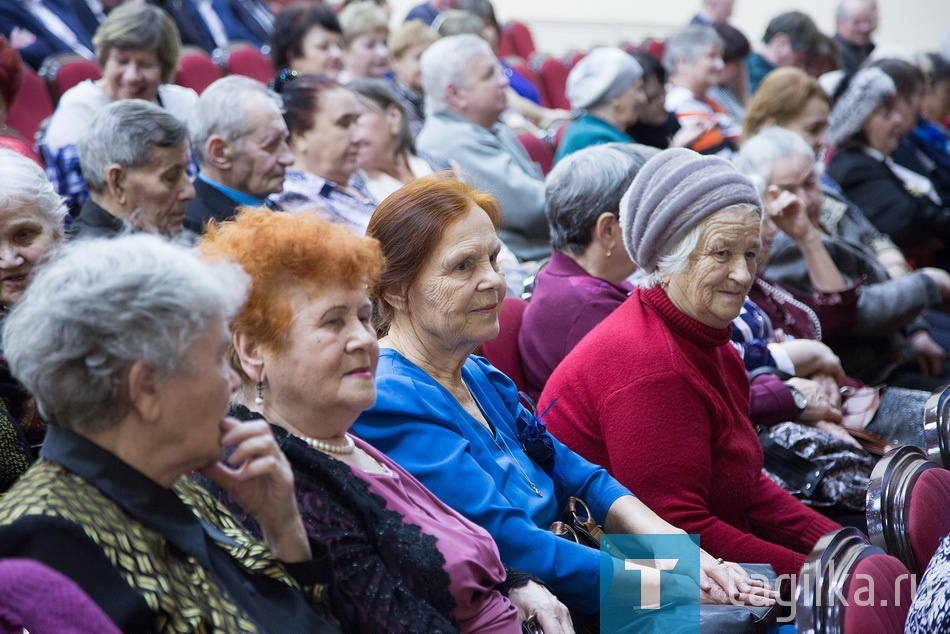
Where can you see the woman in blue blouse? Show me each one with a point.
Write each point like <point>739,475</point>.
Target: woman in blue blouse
<point>453,420</point>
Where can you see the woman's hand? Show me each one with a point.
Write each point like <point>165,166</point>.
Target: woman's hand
<point>930,356</point>
<point>727,582</point>
<point>813,357</point>
<point>821,405</point>
<point>259,478</point>
<point>533,599</point>
<point>838,431</point>
<point>789,214</point>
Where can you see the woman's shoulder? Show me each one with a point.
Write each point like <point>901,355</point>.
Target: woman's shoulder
<point>403,386</point>
<point>75,110</point>
<point>850,162</point>
<point>178,100</point>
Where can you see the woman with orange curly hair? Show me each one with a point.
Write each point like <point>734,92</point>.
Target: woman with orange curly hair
<point>306,352</point>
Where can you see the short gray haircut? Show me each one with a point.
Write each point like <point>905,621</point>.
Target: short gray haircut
<point>689,44</point>
<point>443,64</point>
<point>758,155</point>
<point>224,109</point>
<point>585,184</point>
<point>100,306</point>
<point>24,184</point>
<point>677,259</point>
<point>125,133</point>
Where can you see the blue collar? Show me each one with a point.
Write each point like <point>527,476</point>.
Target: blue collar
<point>240,198</point>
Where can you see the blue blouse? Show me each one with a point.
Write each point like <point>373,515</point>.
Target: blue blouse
<point>488,477</point>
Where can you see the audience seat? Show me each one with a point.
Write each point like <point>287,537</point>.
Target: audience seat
<point>249,61</point>
<point>539,150</point>
<point>937,427</point>
<point>516,40</point>
<point>32,106</point>
<point>909,506</point>
<point>875,586</point>
<point>554,83</point>
<point>656,48</point>
<point>62,72</point>
<point>197,70</point>
<point>502,351</point>
<point>527,71</point>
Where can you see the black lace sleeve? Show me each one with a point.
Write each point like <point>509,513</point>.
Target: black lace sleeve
<point>388,575</point>
<point>515,578</point>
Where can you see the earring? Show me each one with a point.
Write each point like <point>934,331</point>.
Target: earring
<point>609,253</point>
<point>260,394</point>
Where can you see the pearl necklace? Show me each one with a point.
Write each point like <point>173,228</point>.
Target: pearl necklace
<point>345,449</point>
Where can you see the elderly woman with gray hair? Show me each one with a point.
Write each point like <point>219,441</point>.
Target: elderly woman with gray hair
<point>586,279</point>
<point>606,88</point>
<point>124,343</point>
<point>657,395</point>
<point>135,159</point>
<point>31,226</point>
<point>866,125</point>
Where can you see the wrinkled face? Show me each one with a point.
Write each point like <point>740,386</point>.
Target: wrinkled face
<point>796,174</point>
<point>25,237</point>
<point>884,128</point>
<point>329,149</point>
<point>858,22</point>
<point>457,298</point>
<point>329,362</point>
<point>652,110</point>
<point>156,193</point>
<point>367,56</point>
<point>481,96</point>
<point>321,53</point>
<point>196,398</point>
<point>376,134</point>
<point>811,124</point>
<point>721,269</point>
<point>131,74</point>
<point>260,159</point>
<point>407,68</point>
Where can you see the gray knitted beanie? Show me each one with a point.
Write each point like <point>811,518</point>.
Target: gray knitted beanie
<point>601,75</point>
<point>675,191</point>
<point>869,88</point>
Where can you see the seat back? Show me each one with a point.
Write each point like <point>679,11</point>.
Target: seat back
<point>847,584</point>
<point>64,71</point>
<point>907,528</point>
<point>32,106</point>
<point>197,70</point>
<point>937,426</point>
<point>502,351</point>
<point>554,74</point>
<point>251,62</point>
<point>515,41</point>
<point>539,150</point>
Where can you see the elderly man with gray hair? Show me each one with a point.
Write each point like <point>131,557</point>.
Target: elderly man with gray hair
<point>466,92</point>
<point>240,138</point>
<point>134,159</point>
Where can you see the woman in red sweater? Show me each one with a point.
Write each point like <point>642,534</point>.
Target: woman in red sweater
<point>656,394</point>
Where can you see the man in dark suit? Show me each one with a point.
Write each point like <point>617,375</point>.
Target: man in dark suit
<point>212,24</point>
<point>240,138</point>
<point>40,28</point>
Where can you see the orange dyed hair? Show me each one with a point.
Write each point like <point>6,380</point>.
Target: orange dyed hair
<point>282,252</point>
<point>781,96</point>
<point>409,225</point>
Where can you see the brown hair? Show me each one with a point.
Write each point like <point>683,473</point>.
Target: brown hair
<point>410,223</point>
<point>302,97</point>
<point>782,95</point>
<point>281,252</point>
<point>141,27</point>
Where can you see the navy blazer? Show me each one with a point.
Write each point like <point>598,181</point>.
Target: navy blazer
<point>194,30</point>
<point>13,14</point>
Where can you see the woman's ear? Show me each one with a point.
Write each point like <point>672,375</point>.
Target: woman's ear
<point>394,119</point>
<point>250,355</point>
<point>398,301</point>
<point>141,390</point>
<point>607,231</point>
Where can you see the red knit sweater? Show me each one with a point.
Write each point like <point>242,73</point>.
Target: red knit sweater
<point>662,401</point>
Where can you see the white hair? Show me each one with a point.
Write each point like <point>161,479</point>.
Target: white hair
<point>443,64</point>
<point>24,184</point>
<point>100,306</point>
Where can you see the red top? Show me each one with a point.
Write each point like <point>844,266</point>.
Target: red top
<point>662,401</point>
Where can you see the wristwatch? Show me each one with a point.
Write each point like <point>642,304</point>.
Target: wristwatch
<point>800,401</point>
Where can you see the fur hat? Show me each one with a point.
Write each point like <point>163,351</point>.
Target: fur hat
<point>600,76</point>
<point>675,191</point>
<point>868,89</point>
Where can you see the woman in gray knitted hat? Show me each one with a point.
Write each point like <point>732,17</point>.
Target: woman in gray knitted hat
<point>656,393</point>
<point>866,125</point>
